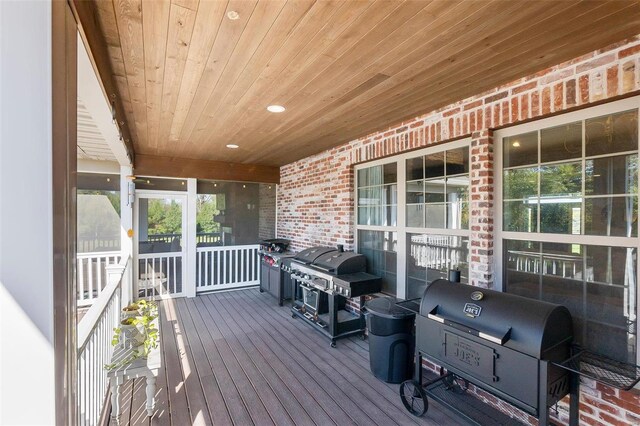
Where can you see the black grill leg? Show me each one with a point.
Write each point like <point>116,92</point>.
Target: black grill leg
<point>417,375</point>
<point>543,392</point>
<point>574,403</point>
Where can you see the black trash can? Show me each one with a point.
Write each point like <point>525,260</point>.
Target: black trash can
<point>391,340</point>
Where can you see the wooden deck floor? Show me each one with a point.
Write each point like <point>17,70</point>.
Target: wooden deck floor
<point>238,358</point>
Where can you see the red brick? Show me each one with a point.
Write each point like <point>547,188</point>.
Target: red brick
<point>515,109</point>
<point>473,105</point>
<point>451,112</point>
<point>603,60</point>
<point>628,77</point>
<point>535,104</point>
<point>612,81</point>
<point>505,112</point>
<point>584,89</point>
<point>524,106</point>
<point>570,92</point>
<point>525,87</point>
<point>558,96</point>
<point>560,75</point>
<point>629,51</point>
<point>496,97</point>
<point>546,100</point>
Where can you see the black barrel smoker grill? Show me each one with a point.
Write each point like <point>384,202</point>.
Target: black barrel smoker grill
<point>505,344</point>
<point>516,348</point>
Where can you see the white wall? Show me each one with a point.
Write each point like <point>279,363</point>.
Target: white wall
<point>26,251</point>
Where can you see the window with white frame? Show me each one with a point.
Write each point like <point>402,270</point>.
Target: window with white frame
<point>412,219</point>
<point>567,199</point>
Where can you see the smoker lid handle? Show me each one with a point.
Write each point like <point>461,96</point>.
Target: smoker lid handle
<point>482,335</point>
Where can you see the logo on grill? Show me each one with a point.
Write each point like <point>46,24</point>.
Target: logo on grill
<point>477,295</point>
<point>472,310</point>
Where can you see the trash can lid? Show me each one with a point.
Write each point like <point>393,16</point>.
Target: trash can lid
<point>386,307</point>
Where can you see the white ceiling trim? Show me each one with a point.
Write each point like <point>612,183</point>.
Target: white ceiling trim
<point>96,118</point>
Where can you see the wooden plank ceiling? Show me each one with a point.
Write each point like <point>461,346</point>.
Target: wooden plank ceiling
<point>191,80</point>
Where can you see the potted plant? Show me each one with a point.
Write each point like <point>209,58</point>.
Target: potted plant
<point>132,310</point>
<point>137,333</point>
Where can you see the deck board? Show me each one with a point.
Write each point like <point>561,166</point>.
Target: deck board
<point>237,358</point>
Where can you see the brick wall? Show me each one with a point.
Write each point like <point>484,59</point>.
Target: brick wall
<point>266,211</point>
<point>315,195</point>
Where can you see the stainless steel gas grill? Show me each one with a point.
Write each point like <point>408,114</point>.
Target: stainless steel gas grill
<point>322,280</point>
<point>505,344</point>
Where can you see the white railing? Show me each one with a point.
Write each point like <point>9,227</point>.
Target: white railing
<point>159,275</point>
<point>86,245</point>
<point>92,275</point>
<point>202,237</point>
<point>219,268</point>
<point>95,331</point>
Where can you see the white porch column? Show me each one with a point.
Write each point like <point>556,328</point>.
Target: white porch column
<point>27,364</point>
<point>190,241</point>
<point>126,212</point>
<point>126,224</point>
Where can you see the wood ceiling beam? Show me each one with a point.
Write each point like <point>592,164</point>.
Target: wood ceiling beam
<point>153,165</point>
<point>96,46</point>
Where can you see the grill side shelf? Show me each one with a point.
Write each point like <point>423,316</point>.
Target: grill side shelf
<point>411,305</point>
<point>602,369</point>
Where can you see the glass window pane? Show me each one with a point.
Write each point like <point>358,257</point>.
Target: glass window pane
<point>561,179</point>
<point>434,165</point>
<point>371,215</point>
<point>389,217</point>
<point>520,183</point>
<point>458,161</point>
<point>363,177</point>
<point>458,215</point>
<point>379,247</point>
<point>520,150</point>
<point>560,215</point>
<point>390,194</point>
<point>523,263</point>
<point>159,225</point>
<point>596,283</point>
<point>415,215</point>
<point>611,216</point>
<point>416,265</point>
<point>238,212</point>
<point>98,212</point>
<point>370,196</point>
<point>561,142</point>
<point>415,192</point>
<point>430,257</point>
<point>434,215</point>
<point>612,175</point>
<point>415,168</point>
<point>434,191</point>
<point>458,188</point>
<point>390,173</point>
<point>562,272</point>
<point>612,133</point>
<point>520,216</point>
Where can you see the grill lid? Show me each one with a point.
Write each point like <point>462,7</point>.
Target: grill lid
<point>311,254</point>
<point>529,326</point>
<point>341,262</point>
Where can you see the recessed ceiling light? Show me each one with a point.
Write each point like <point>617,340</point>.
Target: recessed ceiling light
<point>232,146</point>
<point>516,144</point>
<point>275,108</point>
<point>233,15</point>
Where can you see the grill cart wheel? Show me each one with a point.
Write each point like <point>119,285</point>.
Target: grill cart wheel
<point>414,398</point>
<point>456,384</point>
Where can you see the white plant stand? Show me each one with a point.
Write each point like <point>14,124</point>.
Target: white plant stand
<point>147,368</point>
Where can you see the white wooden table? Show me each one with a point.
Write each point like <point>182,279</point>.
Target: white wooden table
<point>147,368</point>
